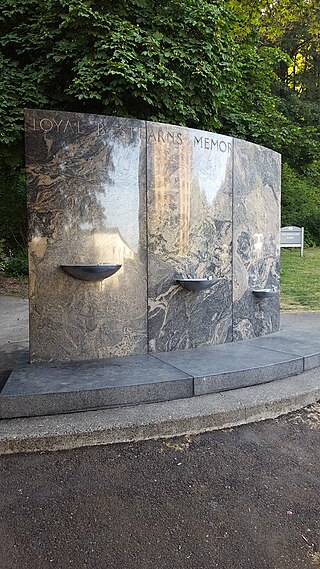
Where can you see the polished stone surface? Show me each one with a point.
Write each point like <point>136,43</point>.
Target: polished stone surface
<point>296,342</point>
<point>49,388</point>
<point>165,203</point>
<point>300,333</point>
<point>256,244</point>
<point>86,204</point>
<point>230,366</point>
<point>189,185</point>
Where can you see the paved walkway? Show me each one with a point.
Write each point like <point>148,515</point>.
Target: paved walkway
<point>14,333</point>
<point>243,498</point>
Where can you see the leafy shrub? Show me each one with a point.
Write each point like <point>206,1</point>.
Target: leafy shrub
<point>301,202</point>
<point>312,228</point>
<point>12,201</point>
<point>2,255</point>
<point>17,265</point>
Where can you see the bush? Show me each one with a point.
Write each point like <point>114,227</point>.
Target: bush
<point>301,202</point>
<point>2,255</point>
<point>17,265</point>
<point>12,202</point>
<point>312,228</point>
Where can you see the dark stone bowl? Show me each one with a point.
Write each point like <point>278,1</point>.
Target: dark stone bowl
<point>264,292</point>
<point>196,284</point>
<point>93,273</point>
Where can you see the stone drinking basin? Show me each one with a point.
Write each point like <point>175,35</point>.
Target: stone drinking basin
<point>93,273</point>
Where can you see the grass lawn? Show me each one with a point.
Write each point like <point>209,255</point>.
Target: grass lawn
<point>300,279</point>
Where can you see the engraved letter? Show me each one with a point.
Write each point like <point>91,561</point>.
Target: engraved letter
<point>197,141</point>
<point>68,125</point>
<point>100,128</point>
<point>42,125</point>
<point>161,136</point>
<point>34,125</point>
<point>229,146</point>
<point>152,136</point>
<point>214,143</point>
<point>206,143</point>
<point>57,124</point>
<point>179,138</point>
<point>222,146</point>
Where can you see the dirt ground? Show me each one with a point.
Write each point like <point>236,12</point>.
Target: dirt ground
<point>242,498</point>
<point>10,286</point>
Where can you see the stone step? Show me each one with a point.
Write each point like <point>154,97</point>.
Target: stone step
<point>58,388</point>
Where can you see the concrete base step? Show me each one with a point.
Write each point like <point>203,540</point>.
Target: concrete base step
<point>156,420</point>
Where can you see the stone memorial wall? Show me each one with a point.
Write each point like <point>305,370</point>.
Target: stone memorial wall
<point>164,202</point>
<point>256,238</point>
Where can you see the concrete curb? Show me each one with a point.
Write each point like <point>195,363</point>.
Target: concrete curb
<point>160,420</point>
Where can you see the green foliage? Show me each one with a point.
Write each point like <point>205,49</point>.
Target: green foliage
<point>2,254</point>
<point>247,68</point>
<point>12,200</point>
<point>301,201</point>
<point>168,61</point>
<point>251,110</point>
<point>282,109</point>
<point>17,264</point>
<point>275,19</point>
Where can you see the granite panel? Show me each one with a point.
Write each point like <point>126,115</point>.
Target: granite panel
<point>86,204</point>
<point>256,242</point>
<point>189,185</point>
<point>162,201</point>
<point>51,388</point>
<point>295,342</point>
<point>220,368</point>
<point>302,343</point>
<point>247,378</point>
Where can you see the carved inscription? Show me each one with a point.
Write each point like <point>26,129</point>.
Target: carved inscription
<point>205,143</point>
<point>212,144</point>
<point>58,126</point>
<point>120,132</point>
<point>48,125</point>
<point>166,137</point>
<point>158,136</point>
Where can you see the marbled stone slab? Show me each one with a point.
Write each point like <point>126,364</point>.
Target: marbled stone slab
<point>189,185</point>
<point>256,243</point>
<point>86,204</point>
<point>160,200</point>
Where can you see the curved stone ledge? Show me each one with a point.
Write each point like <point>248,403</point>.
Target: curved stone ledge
<point>57,388</point>
<point>160,420</point>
